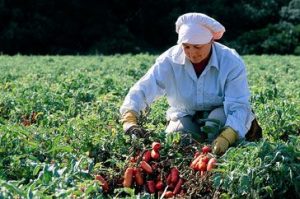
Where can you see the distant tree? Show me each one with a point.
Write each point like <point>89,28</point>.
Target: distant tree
<point>133,26</point>
<point>291,13</point>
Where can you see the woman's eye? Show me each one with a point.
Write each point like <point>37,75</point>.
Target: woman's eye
<point>198,47</point>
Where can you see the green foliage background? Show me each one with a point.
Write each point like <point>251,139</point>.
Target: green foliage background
<point>77,133</point>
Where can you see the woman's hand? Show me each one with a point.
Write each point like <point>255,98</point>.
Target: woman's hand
<point>227,137</point>
<point>136,130</point>
<point>129,120</point>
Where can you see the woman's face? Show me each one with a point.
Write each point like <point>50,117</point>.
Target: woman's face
<point>196,52</point>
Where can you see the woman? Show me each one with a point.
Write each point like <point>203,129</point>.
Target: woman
<point>198,76</point>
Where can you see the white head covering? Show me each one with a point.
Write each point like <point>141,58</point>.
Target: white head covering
<point>198,28</point>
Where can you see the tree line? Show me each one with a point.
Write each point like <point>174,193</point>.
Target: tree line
<point>134,26</point>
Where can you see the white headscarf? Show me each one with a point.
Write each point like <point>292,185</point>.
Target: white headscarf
<point>198,28</point>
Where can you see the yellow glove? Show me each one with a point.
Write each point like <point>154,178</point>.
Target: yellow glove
<point>129,119</point>
<point>130,126</point>
<point>227,137</point>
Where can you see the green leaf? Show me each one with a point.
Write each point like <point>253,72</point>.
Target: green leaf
<point>13,188</point>
<point>36,169</point>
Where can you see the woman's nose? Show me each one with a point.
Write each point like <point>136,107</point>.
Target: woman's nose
<point>192,52</point>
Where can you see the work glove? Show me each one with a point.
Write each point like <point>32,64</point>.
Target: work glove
<point>227,137</point>
<point>130,126</point>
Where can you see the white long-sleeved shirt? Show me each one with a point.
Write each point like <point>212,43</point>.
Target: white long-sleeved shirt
<point>222,83</point>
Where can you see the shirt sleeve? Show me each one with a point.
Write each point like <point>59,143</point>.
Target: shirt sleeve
<point>145,91</point>
<point>236,104</point>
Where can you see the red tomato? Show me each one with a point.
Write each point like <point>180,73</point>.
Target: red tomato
<point>151,186</point>
<point>178,186</point>
<point>147,156</point>
<point>195,161</point>
<point>103,182</point>
<point>156,146</point>
<point>171,186</point>
<point>205,159</point>
<point>201,166</point>
<point>128,177</point>
<point>174,174</point>
<point>133,172</point>
<point>138,176</point>
<point>146,167</point>
<point>169,179</point>
<point>196,154</point>
<point>154,154</point>
<point>159,185</point>
<point>211,164</point>
<point>206,149</point>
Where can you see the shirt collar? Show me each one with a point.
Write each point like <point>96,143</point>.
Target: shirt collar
<point>179,57</point>
<point>213,61</point>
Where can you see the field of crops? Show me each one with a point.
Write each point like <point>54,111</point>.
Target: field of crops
<point>60,131</point>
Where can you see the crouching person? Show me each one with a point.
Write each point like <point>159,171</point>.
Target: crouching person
<point>200,78</point>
